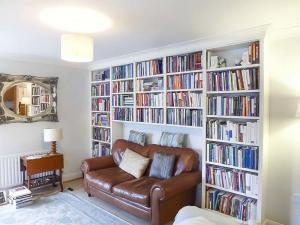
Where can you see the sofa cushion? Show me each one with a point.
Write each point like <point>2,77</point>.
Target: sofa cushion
<point>162,166</point>
<point>134,163</point>
<point>105,179</point>
<point>137,190</point>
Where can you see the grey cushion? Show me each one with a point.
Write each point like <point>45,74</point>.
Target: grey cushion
<point>162,166</point>
<point>137,137</point>
<point>171,140</point>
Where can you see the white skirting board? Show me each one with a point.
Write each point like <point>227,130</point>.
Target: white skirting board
<point>72,176</point>
<point>271,222</point>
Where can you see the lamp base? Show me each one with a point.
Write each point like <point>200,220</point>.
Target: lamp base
<point>53,148</point>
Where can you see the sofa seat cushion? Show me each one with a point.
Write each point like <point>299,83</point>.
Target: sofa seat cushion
<point>137,190</point>
<point>105,179</point>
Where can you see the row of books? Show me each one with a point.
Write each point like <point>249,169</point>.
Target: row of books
<point>239,156</point>
<point>153,84</point>
<point>253,52</point>
<point>45,98</point>
<point>36,90</point>
<point>99,149</point>
<point>100,75</point>
<point>44,106</point>
<point>233,131</point>
<point>149,99</point>
<point>187,62</point>
<point>101,119</point>
<point>20,197</point>
<point>233,106</point>
<point>122,72</point>
<point>232,179</point>
<point>233,80</point>
<point>122,100</point>
<point>99,104</point>
<point>101,134</point>
<point>122,86</point>
<point>36,100</point>
<point>185,81</point>
<point>185,117</point>
<point>124,114</point>
<point>237,206</point>
<point>102,89</point>
<point>184,99</point>
<point>150,115</point>
<point>148,68</point>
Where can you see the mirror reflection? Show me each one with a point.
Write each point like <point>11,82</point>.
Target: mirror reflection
<point>27,99</point>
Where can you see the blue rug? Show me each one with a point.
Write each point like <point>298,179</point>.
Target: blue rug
<point>59,209</point>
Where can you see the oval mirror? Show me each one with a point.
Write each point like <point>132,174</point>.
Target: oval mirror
<point>27,99</point>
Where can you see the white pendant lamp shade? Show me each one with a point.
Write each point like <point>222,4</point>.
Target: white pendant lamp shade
<point>77,48</point>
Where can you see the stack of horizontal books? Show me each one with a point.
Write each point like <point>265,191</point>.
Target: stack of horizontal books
<point>20,197</point>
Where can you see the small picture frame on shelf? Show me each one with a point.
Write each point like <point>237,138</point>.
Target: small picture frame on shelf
<point>3,198</point>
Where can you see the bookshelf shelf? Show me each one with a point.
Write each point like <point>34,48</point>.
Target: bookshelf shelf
<point>233,68</point>
<point>183,107</point>
<point>231,142</point>
<point>185,90</point>
<point>184,72</point>
<point>100,111</point>
<point>150,76</point>
<point>143,92</point>
<point>232,92</point>
<point>104,96</point>
<point>122,79</point>
<point>122,106</point>
<point>123,93</point>
<point>108,127</point>
<point>234,117</point>
<point>232,167</point>
<point>103,142</point>
<point>100,81</point>
<point>231,191</point>
<point>149,107</point>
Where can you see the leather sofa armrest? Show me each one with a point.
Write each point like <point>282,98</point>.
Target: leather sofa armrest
<point>97,163</point>
<point>166,189</point>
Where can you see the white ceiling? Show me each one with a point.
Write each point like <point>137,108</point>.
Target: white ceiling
<point>138,24</point>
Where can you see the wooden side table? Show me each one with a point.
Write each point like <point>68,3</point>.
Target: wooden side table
<point>42,164</point>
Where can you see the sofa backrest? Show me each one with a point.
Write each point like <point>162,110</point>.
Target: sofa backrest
<point>186,158</point>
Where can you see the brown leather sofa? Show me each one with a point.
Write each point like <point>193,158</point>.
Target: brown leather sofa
<point>152,199</point>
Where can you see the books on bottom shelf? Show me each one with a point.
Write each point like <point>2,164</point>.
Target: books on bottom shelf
<point>100,149</point>
<point>237,206</point>
<point>150,115</point>
<point>20,197</point>
<point>184,117</point>
<point>233,131</point>
<point>123,114</point>
<point>232,179</point>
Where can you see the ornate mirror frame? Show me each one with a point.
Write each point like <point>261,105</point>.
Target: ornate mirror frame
<point>50,83</point>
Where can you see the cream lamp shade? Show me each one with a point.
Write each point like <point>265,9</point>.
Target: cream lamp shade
<point>51,135</point>
<point>77,48</point>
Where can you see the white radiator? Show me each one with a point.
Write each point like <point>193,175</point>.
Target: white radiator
<point>10,173</point>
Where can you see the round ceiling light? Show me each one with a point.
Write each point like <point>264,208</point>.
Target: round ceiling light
<point>77,48</point>
<point>75,19</point>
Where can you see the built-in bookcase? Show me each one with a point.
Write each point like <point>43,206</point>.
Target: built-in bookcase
<point>220,93</point>
<point>184,89</point>
<point>101,112</point>
<point>150,92</point>
<point>231,183</point>
<point>122,93</point>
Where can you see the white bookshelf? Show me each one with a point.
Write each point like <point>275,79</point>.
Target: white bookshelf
<point>230,50</point>
<point>99,146</point>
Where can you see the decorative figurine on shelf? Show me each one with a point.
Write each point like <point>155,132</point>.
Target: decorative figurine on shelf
<point>53,135</point>
<point>245,59</point>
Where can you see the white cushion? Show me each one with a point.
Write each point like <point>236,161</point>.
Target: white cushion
<point>133,163</point>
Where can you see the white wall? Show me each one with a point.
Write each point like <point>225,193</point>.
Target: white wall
<point>73,115</point>
<point>284,154</point>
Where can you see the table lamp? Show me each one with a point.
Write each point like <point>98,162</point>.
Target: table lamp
<point>53,135</point>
